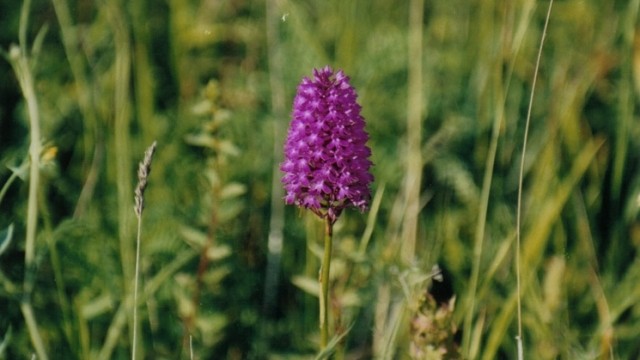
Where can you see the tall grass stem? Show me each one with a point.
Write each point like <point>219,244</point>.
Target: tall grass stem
<point>135,290</point>
<point>276,220</point>
<point>143,175</point>
<point>25,78</point>
<point>625,109</point>
<point>479,237</point>
<point>414,132</point>
<point>520,183</point>
<point>69,38</point>
<point>20,61</point>
<point>36,339</point>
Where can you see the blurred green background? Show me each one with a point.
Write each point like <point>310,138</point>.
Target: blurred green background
<point>228,272</point>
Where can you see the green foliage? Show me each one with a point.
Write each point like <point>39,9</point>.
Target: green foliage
<point>212,82</point>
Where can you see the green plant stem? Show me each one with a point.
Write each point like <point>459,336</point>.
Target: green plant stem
<point>5,187</point>
<point>57,267</point>
<point>414,131</point>
<point>324,283</point>
<point>36,340</point>
<point>26,82</point>
<point>135,290</point>
<point>625,104</point>
<point>20,61</point>
<point>278,109</point>
<point>520,185</point>
<point>487,180</point>
<point>93,134</point>
<point>121,138</point>
<point>203,265</point>
<point>121,130</point>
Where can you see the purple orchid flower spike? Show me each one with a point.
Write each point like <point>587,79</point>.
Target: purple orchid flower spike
<point>326,166</point>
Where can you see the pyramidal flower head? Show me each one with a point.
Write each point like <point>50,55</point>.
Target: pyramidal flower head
<point>326,165</point>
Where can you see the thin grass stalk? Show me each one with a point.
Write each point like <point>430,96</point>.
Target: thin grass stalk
<point>276,220</point>
<point>478,243</point>
<point>380,319</point>
<point>625,101</point>
<point>121,136</point>
<point>398,315</point>
<point>85,103</point>
<point>371,219</point>
<point>58,273</point>
<point>521,180</point>
<point>392,236</point>
<point>480,226</point>
<point>143,68</point>
<point>23,71</point>
<point>134,340</point>
<point>606,328</point>
<point>325,270</point>
<point>414,132</point>
<point>14,175</point>
<point>32,325</point>
<point>19,59</point>
<point>121,128</point>
<point>46,216</point>
<point>31,62</point>
<point>275,237</point>
<point>502,90</point>
<point>143,175</point>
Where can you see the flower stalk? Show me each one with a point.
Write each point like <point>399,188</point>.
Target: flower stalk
<point>325,270</point>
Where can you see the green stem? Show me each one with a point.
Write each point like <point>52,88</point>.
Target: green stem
<point>324,283</point>
<point>5,187</point>
<point>19,59</point>
<point>93,136</point>
<point>520,186</point>
<point>416,108</point>
<point>134,342</point>
<point>36,339</point>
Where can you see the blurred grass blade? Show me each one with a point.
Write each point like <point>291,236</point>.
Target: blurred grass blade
<point>371,218</point>
<point>6,236</point>
<point>5,342</point>
<point>331,346</point>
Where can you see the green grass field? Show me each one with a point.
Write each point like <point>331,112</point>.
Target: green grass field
<point>227,271</point>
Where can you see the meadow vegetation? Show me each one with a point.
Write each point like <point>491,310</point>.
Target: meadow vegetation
<point>227,270</point>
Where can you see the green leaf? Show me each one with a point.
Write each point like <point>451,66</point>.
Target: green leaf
<point>202,140</point>
<point>229,211</point>
<point>232,190</point>
<point>211,327</point>
<point>307,284</point>
<point>98,306</point>
<point>218,252</point>
<point>350,298</point>
<point>194,237</point>
<point>229,148</point>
